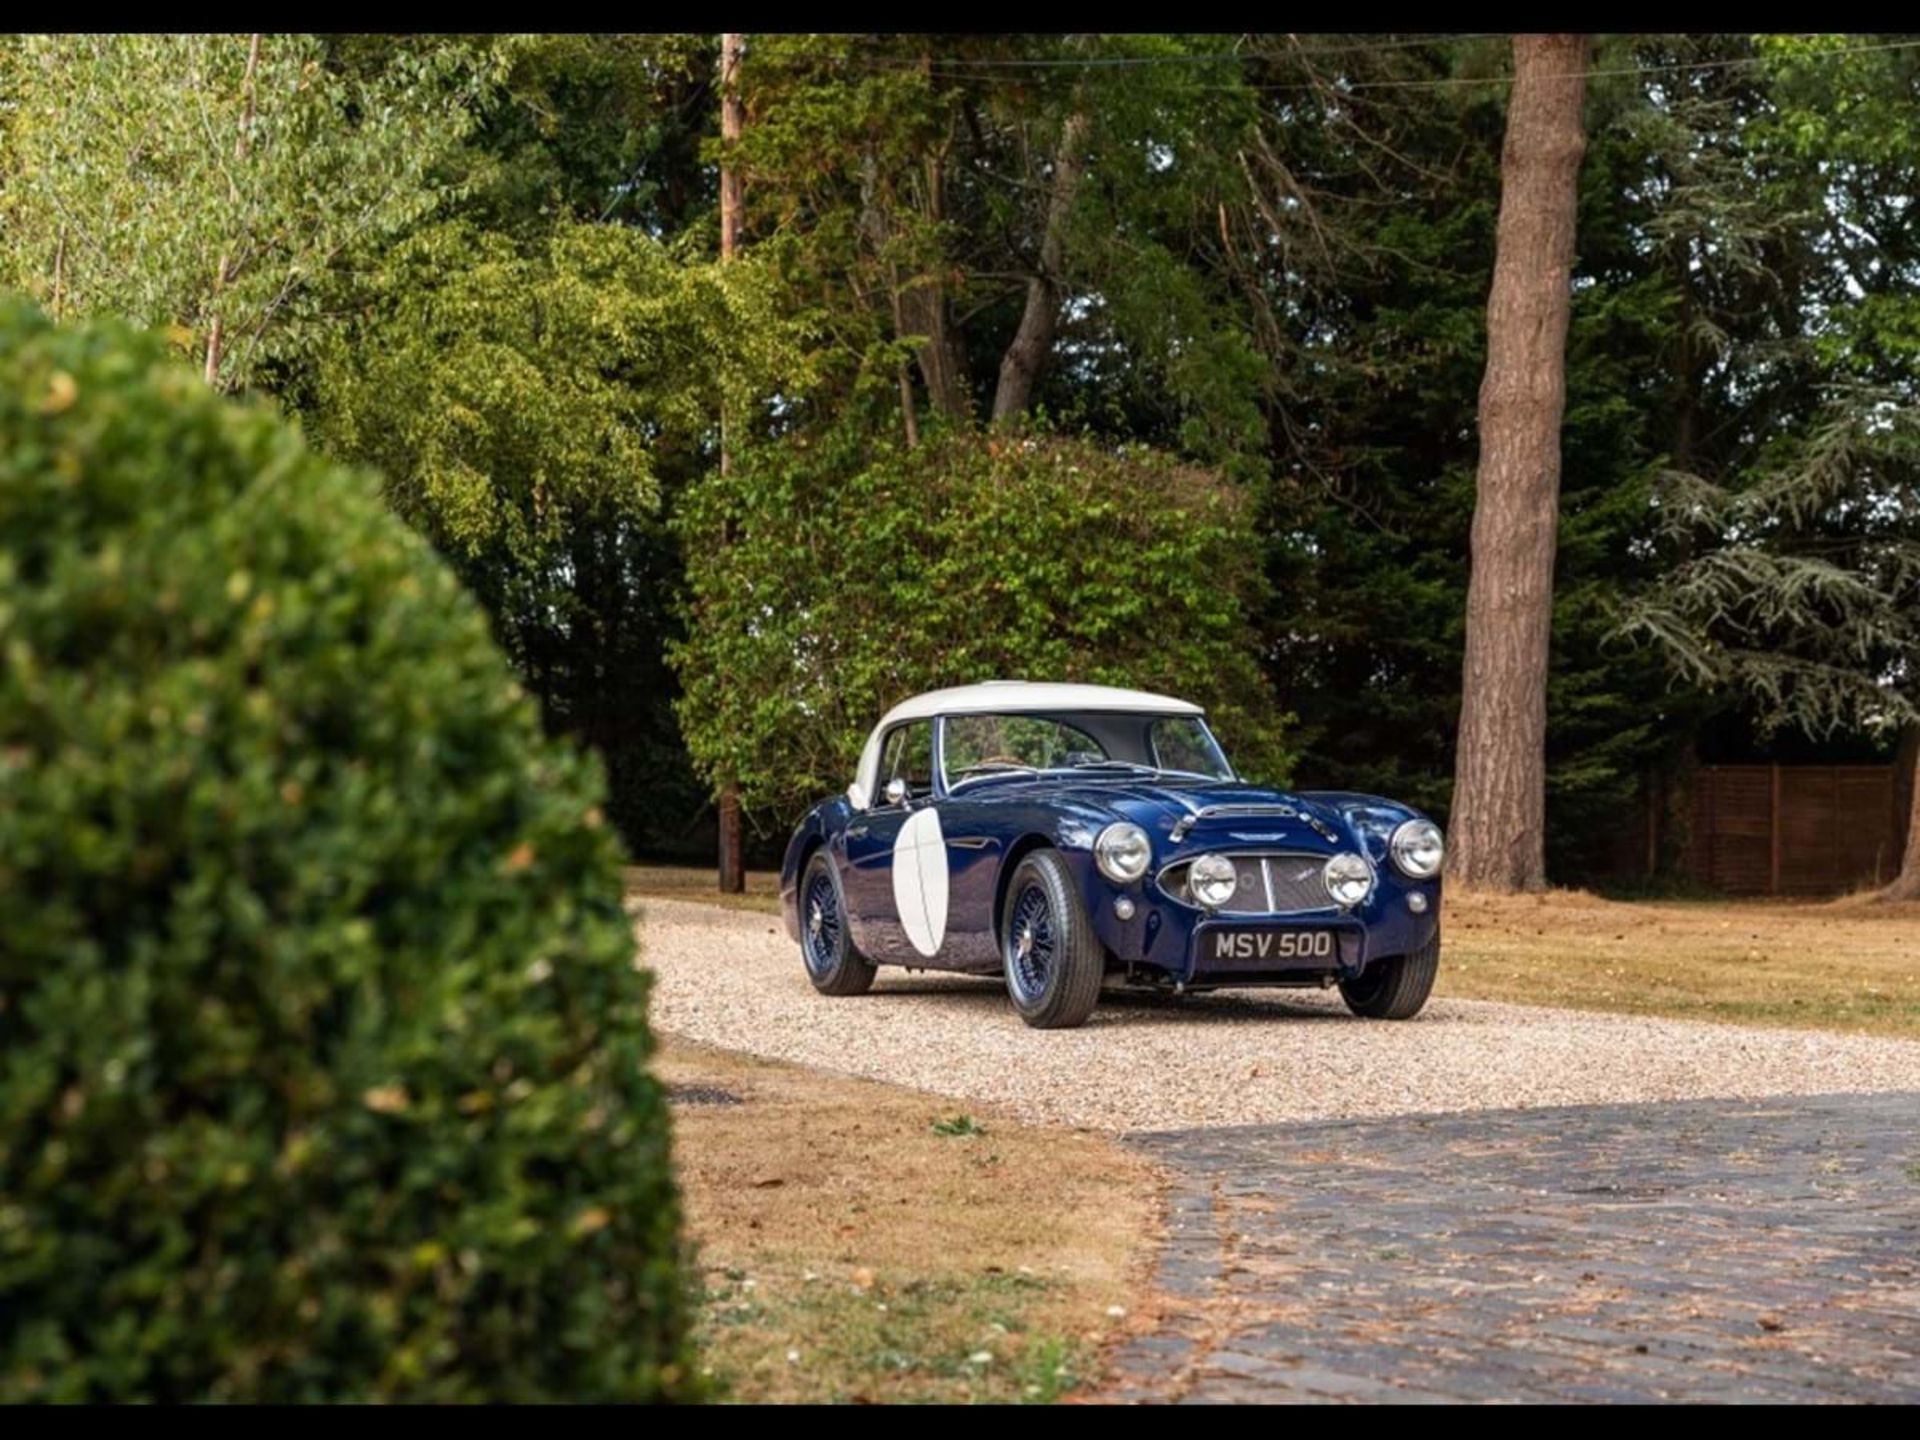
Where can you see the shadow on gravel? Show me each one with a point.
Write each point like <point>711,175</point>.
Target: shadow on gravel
<point>1135,1007</point>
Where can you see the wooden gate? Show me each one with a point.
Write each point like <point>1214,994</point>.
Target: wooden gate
<point>1794,829</point>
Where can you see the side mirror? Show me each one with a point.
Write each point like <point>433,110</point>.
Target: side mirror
<point>896,791</point>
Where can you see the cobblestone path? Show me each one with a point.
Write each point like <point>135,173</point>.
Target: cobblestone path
<point>1696,1250</point>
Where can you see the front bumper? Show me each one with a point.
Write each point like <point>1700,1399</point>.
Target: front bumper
<point>1171,940</point>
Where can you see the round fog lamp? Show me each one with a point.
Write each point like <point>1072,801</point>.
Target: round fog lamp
<point>1349,878</point>
<point>1212,879</point>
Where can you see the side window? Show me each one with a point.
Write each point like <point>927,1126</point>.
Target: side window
<point>908,755</point>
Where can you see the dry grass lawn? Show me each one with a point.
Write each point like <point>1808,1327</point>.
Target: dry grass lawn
<point>1833,965</point>
<point>863,1242</point>
<point>683,882</point>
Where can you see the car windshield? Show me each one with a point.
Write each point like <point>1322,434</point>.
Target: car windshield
<point>981,744</point>
<point>1184,743</point>
<point>976,747</point>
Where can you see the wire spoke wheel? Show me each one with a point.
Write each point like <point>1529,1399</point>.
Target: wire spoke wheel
<point>1052,959</point>
<point>820,924</point>
<point>834,963</point>
<point>1032,944</point>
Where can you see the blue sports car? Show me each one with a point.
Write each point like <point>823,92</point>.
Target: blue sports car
<point>1071,836</point>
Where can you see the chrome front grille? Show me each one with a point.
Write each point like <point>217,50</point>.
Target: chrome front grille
<point>1273,883</point>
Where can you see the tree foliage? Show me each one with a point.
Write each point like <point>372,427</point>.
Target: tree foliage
<point>509,393</point>
<point>1797,585</point>
<point>915,195</point>
<point>530,403</point>
<point>861,574</point>
<point>164,179</point>
<point>1264,254</point>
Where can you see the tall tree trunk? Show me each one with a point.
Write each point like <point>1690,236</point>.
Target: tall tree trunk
<point>1033,339</point>
<point>733,119</point>
<point>907,419</point>
<point>1499,806</point>
<point>1906,885</point>
<point>923,312</point>
<point>223,275</point>
<point>922,308</point>
<point>874,225</point>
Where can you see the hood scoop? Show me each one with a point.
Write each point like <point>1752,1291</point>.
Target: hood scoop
<point>1250,810</point>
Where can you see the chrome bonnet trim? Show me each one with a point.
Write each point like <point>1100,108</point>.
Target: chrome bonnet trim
<point>1184,825</point>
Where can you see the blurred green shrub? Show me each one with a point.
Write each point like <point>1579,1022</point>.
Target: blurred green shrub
<point>321,1042</point>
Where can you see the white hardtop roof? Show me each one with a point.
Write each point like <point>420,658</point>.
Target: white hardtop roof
<point>1012,696</point>
<point>1006,697</point>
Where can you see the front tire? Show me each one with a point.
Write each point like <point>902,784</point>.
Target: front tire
<point>1052,959</point>
<point>833,964</point>
<point>1396,987</point>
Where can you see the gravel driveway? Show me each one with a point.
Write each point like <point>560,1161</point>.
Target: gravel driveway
<point>732,978</point>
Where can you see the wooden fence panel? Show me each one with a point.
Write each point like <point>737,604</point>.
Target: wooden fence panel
<point>1793,829</point>
<point>1733,828</point>
<point>1872,828</point>
<point>1808,824</point>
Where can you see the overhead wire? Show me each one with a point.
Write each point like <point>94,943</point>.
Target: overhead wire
<point>978,69</point>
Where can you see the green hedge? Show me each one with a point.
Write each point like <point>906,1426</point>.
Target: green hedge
<point>861,573</point>
<point>321,1041</point>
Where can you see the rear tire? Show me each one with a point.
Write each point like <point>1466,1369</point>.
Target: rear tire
<point>1396,987</point>
<point>1052,959</point>
<point>833,964</point>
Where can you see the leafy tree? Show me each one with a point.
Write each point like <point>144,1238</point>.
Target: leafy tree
<point>1008,220</point>
<point>211,184</point>
<point>1681,343</point>
<point>525,403</point>
<point>1799,586</point>
<point>507,391</point>
<point>862,573</point>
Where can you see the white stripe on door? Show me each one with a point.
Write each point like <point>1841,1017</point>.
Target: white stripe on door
<point>920,880</point>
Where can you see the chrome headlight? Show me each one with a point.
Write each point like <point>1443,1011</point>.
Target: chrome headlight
<point>1418,849</point>
<point>1349,878</point>
<point>1122,852</point>
<point>1211,880</point>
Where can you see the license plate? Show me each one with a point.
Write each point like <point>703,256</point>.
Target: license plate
<point>1271,947</point>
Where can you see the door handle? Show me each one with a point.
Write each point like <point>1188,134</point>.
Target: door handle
<point>856,832</point>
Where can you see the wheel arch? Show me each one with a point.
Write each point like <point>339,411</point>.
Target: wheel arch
<point>810,837</point>
<point>812,842</point>
<point>1016,852</point>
